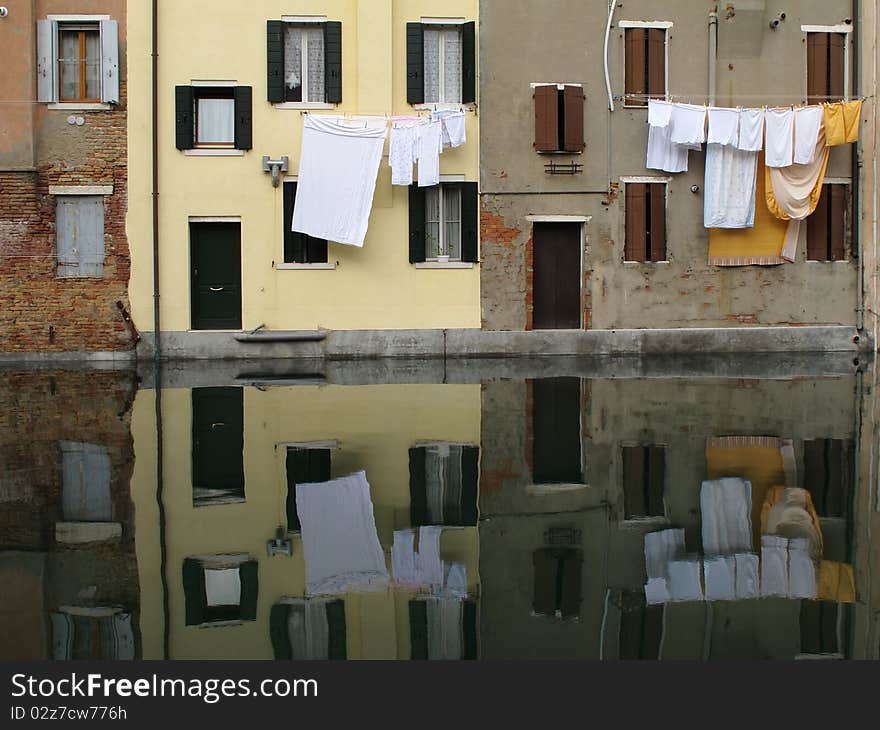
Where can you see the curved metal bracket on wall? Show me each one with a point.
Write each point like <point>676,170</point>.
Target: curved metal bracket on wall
<point>276,167</point>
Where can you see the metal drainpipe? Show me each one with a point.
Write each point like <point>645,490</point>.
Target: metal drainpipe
<point>713,54</point>
<point>157,348</point>
<point>856,175</point>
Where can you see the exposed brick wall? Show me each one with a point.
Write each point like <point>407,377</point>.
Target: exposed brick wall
<point>38,410</point>
<point>38,311</point>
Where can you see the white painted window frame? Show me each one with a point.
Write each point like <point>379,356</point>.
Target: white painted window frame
<point>650,180</point>
<point>444,25</point>
<point>665,25</point>
<point>62,19</point>
<point>844,30</point>
<point>300,21</point>
<point>442,227</point>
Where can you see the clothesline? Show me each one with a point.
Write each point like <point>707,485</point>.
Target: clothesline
<point>673,98</point>
<point>421,113</point>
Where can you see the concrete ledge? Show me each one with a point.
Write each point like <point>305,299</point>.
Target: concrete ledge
<point>477,343</point>
<point>223,346</point>
<point>83,533</point>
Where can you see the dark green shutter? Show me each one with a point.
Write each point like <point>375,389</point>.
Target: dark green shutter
<point>470,471</point>
<point>194,592</point>
<point>418,498</point>
<point>249,590</point>
<point>304,466</point>
<point>470,222</point>
<point>416,224</point>
<point>244,126</point>
<point>336,639</point>
<point>184,104</point>
<point>415,63</point>
<point>278,632</point>
<point>294,242</point>
<point>469,63</point>
<point>333,62</point>
<point>469,630</point>
<point>275,61</point>
<point>418,629</point>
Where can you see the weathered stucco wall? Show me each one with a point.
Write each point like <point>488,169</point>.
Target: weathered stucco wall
<point>520,46</point>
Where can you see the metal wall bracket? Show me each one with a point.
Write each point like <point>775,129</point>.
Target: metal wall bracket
<point>276,167</point>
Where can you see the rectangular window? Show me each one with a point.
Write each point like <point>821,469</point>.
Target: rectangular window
<point>308,630</point>
<point>444,222</point>
<point>557,589</point>
<point>644,65</point>
<point>299,248</point>
<point>828,475</point>
<point>826,67</point>
<point>644,472</point>
<point>443,485</point>
<point>304,466</point>
<point>79,236</point>
<point>645,222</point>
<point>304,62</point>
<point>826,228</point>
<point>214,117</point>
<point>86,483</point>
<point>559,118</point>
<point>79,62</point>
<point>556,431</point>
<point>441,63</point>
<point>220,589</point>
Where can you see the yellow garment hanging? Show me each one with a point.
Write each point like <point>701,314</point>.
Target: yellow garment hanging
<point>842,122</point>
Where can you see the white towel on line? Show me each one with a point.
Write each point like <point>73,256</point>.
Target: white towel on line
<point>780,137</point>
<point>688,125</point>
<point>751,130</point>
<point>723,126</point>
<point>807,123</point>
<point>663,154</point>
<point>726,507</point>
<point>659,113</point>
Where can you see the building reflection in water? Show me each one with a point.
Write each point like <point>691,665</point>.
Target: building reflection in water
<point>591,513</point>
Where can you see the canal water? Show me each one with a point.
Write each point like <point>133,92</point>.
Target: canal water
<point>600,509</point>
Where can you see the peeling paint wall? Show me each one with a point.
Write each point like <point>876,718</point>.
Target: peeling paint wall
<point>762,67</point>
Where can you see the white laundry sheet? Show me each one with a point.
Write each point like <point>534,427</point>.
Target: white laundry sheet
<point>445,639</point>
<point>339,164</point>
<point>720,574</point>
<point>774,566</point>
<point>659,113</point>
<point>454,132</point>
<point>780,137</point>
<point>663,153</point>
<point>801,570</point>
<point>223,587</point>
<point>723,126</point>
<point>340,543</point>
<point>748,582</point>
<point>684,582</point>
<point>425,569</point>
<point>726,509</point>
<point>688,125</point>
<point>429,146</point>
<point>730,187</point>
<point>402,152</point>
<point>660,549</point>
<point>751,130</point>
<point>807,123</point>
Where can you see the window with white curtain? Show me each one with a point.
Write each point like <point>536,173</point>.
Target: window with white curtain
<point>443,222</point>
<point>304,63</point>
<point>443,481</point>
<point>443,73</point>
<point>215,118</point>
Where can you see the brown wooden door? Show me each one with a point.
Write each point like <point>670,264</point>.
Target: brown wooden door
<point>557,276</point>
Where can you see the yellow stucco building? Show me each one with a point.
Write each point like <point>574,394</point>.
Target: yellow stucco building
<point>234,82</point>
<point>227,467</point>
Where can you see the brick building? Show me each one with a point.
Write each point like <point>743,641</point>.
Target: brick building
<point>64,257</point>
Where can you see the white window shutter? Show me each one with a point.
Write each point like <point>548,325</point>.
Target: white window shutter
<point>46,60</point>
<point>109,62</point>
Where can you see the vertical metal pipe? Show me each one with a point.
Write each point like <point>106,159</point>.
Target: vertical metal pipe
<point>856,185</point>
<point>713,55</point>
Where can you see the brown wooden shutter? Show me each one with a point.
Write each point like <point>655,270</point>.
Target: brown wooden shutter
<point>636,81</point>
<point>636,233</point>
<point>656,480</point>
<point>658,221</point>
<point>657,63</point>
<point>633,482</point>
<point>546,118</point>
<point>836,54</point>
<point>817,229</point>
<point>574,119</point>
<point>817,67</point>
<point>837,221</point>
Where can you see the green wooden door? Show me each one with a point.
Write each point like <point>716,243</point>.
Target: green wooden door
<point>218,439</point>
<point>216,275</point>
